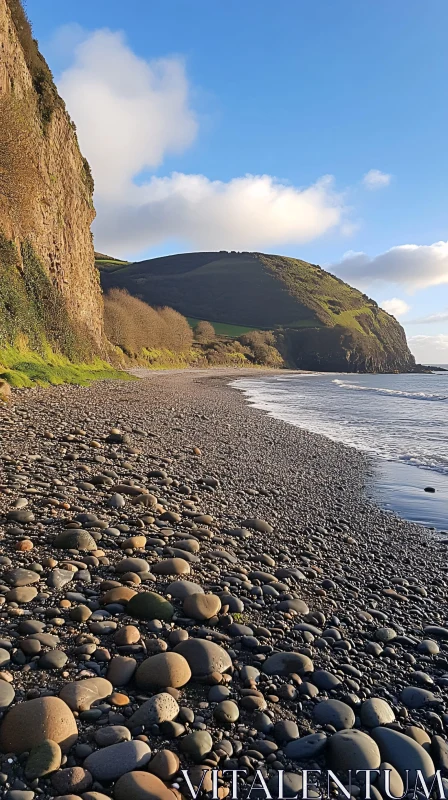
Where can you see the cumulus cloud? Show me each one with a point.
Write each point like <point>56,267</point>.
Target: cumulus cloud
<point>395,306</point>
<point>430,349</point>
<point>410,265</point>
<point>440,316</point>
<point>246,213</point>
<point>375,179</point>
<point>130,114</point>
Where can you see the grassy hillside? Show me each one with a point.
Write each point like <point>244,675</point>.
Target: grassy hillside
<point>258,291</point>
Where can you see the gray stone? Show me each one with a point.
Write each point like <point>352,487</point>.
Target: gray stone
<point>306,749</point>
<point>111,762</point>
<point>159,708</point>
<point>352,749</point>
<point>334,712</point>
<point>376,711</point>
<point>287,663</point>
<point>403,753</point>
<point>204,657</point>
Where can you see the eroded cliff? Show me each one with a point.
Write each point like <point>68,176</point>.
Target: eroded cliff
<point>46,207</point>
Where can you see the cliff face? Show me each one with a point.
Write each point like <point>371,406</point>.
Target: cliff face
<point>54,220</point>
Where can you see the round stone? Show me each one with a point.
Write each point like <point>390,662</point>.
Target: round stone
<point>259,525</point>
<point>299,606</point>
<point>414,697</point>
<point>404,754</point>
<point>120,594</point>
<point>226,711</point>
<point>22,577</point>
<point>79,695</point>
<point>21,595</point>
<point>150,605</point>
<point>121,670</point>
<point>165,765</point>
<point>171,566</point>
<point>204,657</point>
<point>55,659</point>
<point>72,539</point>
<point>160,708</point>
<point>202,606</point>
<point>112,734</point>
<point>141,786</point>
<point>72,780</point>
<point>137,565</point>
<point>307,748</point>
<point>30,723</point>
<point>7,694</point>
<point>112,762</point>
<point>127,635</point>
<point>287,663</point>
<point>182,589</point>
<point>196,745</point>
<point>352,749</point>
<point>376,711</point>
<point>334,712</point>
<point>162,670</point>
<point>43,759</point>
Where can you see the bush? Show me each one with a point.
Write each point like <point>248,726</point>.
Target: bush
<point>261,344</point>
<point>204,331</point>
<point>135,326</point>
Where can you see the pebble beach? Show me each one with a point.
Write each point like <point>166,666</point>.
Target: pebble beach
<point>189,584</point>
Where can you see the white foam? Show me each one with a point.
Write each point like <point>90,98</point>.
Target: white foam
<point>391,392</point>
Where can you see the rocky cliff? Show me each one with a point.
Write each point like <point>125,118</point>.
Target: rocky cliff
<point>46,204</point>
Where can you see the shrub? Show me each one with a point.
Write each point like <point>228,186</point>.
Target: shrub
<point>135,326</point>
<point>204,332</point>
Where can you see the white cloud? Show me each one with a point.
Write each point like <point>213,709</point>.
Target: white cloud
<point>440,316</point>
<point>410,265</point>
<point>246,213</point>
<point>395,306</point>
<point>129,115</point>
<point>375,179</point>
<point>430,349</point>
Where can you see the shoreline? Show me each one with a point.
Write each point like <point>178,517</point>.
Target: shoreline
<point>272,522</point>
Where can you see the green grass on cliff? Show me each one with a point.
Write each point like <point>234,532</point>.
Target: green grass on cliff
<point>23,368</point>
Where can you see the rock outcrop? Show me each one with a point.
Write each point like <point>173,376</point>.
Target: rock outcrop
<point>45,184</point>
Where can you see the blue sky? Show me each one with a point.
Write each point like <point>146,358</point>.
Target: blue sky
<point>177,101</point>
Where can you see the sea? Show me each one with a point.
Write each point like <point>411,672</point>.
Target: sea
<point>401,420</point>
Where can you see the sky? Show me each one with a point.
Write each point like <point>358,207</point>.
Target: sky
<point>310,128</point>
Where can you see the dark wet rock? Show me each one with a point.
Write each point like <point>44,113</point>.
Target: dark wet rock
<point>150,605</point>
<point>287,663</point>
<point>75,540</point>
<point>352,749</point>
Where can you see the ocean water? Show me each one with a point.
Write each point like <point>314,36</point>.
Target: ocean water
<point>401,420</point>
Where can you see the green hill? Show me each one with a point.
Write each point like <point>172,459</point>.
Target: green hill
<point>321,322</point>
